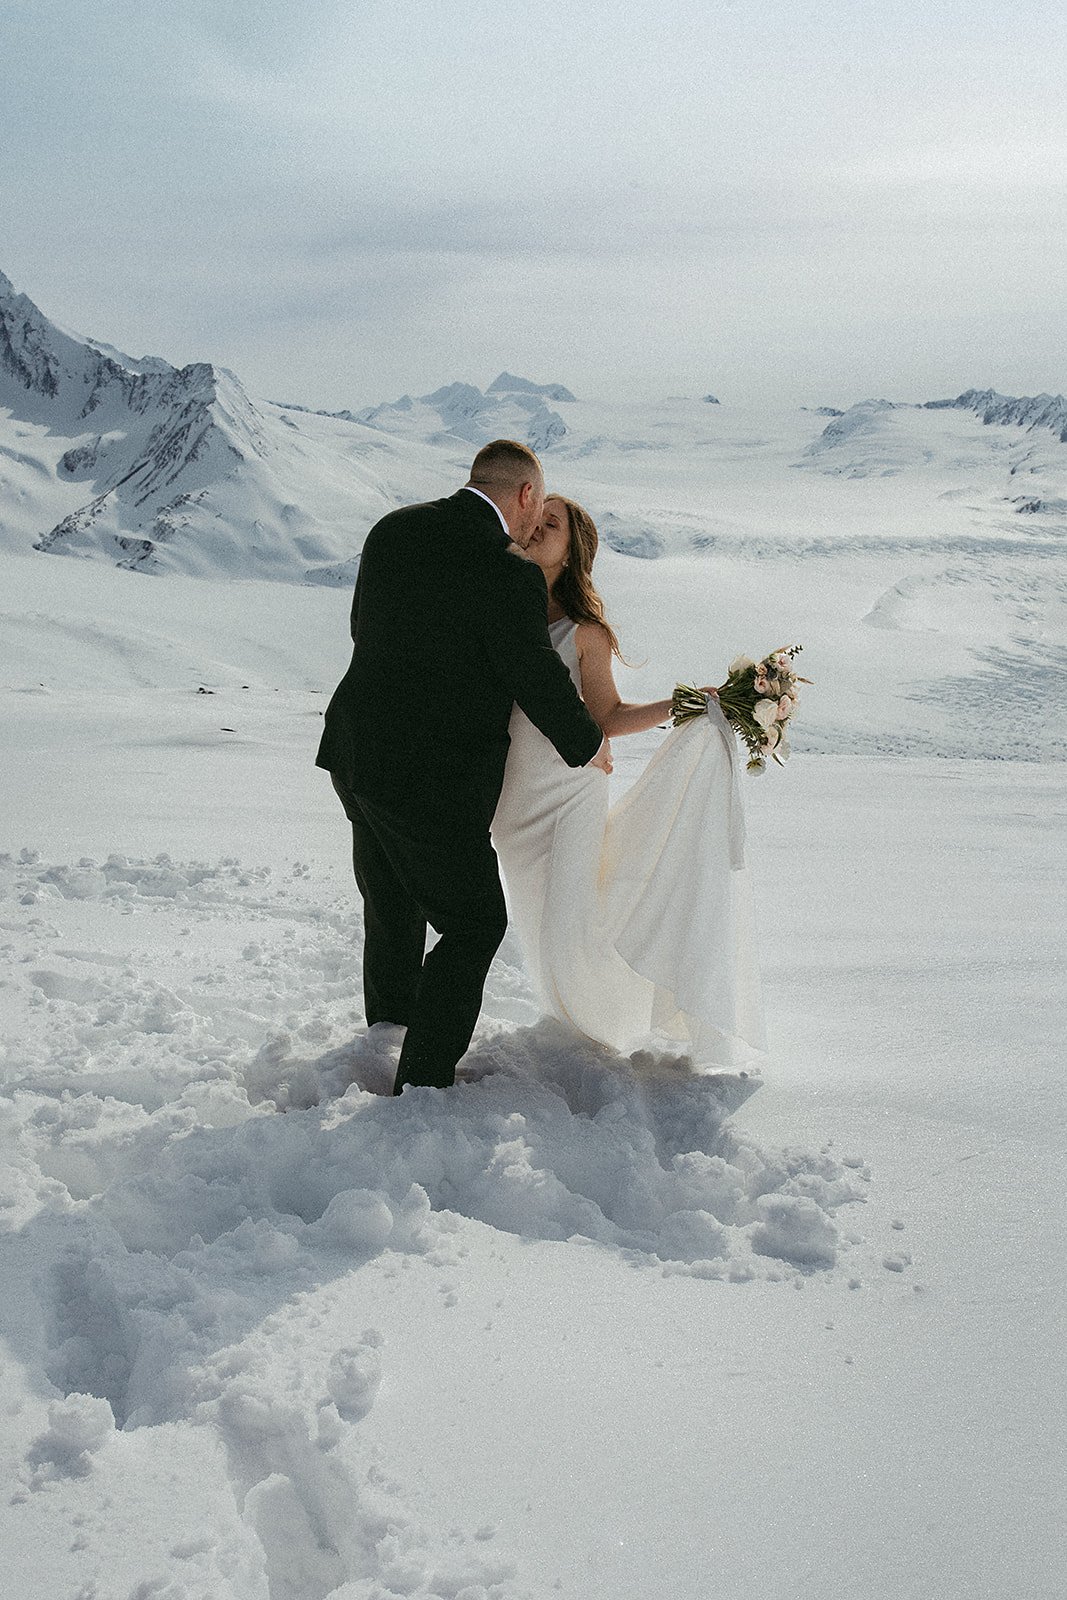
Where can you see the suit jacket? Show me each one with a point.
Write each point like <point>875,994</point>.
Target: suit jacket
<point>448,629</point>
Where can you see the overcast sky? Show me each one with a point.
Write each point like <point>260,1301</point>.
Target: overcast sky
<point>347,201</point>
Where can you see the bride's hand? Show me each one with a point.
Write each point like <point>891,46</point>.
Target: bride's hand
<point>709,689</point>
<point>602,759</point>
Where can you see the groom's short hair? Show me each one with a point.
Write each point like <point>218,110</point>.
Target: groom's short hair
<point>505,464</point>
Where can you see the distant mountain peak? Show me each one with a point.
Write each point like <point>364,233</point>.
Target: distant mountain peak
<point>146,438</point>
<point>508,383</point>
<point>45,367</point>
<point>462,411</point>
<point>1024,411</point>
<point>53,361</point>
<point>131,363</point>
<point>456,396</point>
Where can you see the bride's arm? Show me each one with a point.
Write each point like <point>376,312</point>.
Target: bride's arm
<point>601,696</point>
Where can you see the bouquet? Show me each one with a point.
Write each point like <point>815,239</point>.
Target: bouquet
<point>757,699</point>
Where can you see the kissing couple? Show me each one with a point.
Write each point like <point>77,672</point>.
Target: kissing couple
<point>471,733</point>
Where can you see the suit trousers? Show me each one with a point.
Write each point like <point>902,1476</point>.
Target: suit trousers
<point>433,865</point>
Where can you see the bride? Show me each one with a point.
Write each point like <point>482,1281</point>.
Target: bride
<point>635,919</point>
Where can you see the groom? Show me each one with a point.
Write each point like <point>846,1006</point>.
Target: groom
<point>449,628</point>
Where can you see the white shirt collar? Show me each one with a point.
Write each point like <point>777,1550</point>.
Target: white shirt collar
<point>492,503</point>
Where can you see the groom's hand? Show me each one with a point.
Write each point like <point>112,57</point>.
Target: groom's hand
<point>602,759</point>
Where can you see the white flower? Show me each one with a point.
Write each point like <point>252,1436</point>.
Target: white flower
<point>765,712</point>
<point>740,664</point>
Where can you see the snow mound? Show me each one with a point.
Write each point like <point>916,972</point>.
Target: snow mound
<point>148,1089</point>
<point>77,1428</point>
<point>857,443</point>
<point>170,1232</point>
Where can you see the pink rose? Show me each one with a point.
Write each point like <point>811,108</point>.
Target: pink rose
<point>785,706</point>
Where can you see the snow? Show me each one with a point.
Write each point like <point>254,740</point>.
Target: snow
<point>582,1326</point>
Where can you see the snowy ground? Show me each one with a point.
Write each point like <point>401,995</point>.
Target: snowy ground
<point>582,1326</point>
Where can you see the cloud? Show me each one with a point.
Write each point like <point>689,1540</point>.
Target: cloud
<point>674,197</point>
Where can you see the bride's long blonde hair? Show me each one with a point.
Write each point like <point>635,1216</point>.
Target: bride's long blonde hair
<point>574,589</point>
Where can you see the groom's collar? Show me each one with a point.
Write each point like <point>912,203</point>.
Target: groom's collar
<point>472,490</point>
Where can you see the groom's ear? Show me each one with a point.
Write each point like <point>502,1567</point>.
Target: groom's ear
<point>529,494</point>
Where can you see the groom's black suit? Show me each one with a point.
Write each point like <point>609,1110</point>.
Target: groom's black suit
<point>448,629</point>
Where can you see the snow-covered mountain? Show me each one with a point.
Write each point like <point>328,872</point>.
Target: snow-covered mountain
<point>178,469</point>
<point>1018,466</point>
<point>511,408</point>
<point>1025,411</point>
<point>158,467</point>
<point>508,383</point>
<point>1032,414</point>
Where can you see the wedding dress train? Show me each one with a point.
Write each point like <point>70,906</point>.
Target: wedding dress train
<point>636,921</point>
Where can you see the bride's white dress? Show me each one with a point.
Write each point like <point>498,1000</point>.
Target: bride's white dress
<point>636,921</point>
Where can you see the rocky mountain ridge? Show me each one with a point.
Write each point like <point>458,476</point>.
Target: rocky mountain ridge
<point>162,468</point>
<point>1022,411</point>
